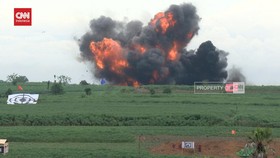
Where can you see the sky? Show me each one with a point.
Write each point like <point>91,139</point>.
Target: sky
<point>247,29</point>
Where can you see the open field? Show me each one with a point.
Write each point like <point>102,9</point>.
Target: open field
<point>109,122</point>
<point>88,141</point>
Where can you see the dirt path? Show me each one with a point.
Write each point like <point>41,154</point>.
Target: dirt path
<point>212,147</point>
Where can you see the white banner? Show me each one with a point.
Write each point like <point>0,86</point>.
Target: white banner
<point>23,98</point>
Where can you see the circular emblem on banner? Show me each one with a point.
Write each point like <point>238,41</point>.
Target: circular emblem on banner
<point>22,99</point>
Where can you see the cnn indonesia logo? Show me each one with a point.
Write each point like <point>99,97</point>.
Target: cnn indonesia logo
<point>22,17</point>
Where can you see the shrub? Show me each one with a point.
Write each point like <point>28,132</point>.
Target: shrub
<point>152,91</point>
<point>167,90</point>
<point>88,91</point>
<point>57,89</point>
<point>126,90</point>
<point>123,90</point>
<point>8,92</point>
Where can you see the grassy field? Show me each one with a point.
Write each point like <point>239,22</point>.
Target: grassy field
<point>108,122</point>
<point>77,141</point>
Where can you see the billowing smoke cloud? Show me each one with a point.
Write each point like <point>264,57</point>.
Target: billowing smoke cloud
<point>235,75</point>
<point>133,54</point>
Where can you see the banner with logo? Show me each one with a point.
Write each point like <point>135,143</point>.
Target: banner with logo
<point>187,145</point>
<point>23,98</point>
<point>219,88</point>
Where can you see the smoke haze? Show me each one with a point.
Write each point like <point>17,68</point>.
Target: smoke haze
<point>235,75</point>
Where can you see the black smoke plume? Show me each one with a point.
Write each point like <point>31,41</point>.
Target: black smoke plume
<point>155,65</point>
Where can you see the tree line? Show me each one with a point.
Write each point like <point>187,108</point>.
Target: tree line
<point>16,78</point>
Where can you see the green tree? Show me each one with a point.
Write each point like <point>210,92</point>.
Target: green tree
<point>15,78</point>
<point>258,144</point>
<point>261,137</point>
<point>12,77</point>
<point>22,79</point>
<point>64,79</point>
<point>84,82</point>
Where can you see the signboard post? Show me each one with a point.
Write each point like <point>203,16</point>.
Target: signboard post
<point>187,145</point>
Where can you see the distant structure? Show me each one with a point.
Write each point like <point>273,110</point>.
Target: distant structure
<point>102,81</point>
<point>4,146</point>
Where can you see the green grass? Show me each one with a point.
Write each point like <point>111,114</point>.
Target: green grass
<point>109,134</point>
<point>258,107</point>
<point>77,141</point>
<point>108,122</point>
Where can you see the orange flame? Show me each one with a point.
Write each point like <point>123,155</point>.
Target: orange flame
<point>135,84</point>
<point>110,52</point>
<point>109,55</point>
<point>165,21</point>
<point>156,18</point>
<point>155,75</point>
<point>173,53</point>
<point>140,48</point>
<point>99,64</point>
<point>131,82</point>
